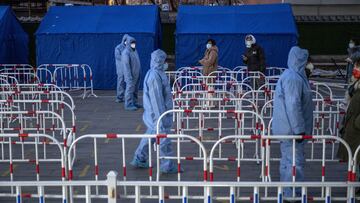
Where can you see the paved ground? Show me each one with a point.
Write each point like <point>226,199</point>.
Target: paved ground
<point>102,115</point>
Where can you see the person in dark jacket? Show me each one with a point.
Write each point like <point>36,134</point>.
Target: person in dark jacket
<point>254,56</point>
<point>351,128</point>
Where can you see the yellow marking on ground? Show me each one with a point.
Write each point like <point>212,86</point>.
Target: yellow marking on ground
<point>223,167</point>
<point>84,128</point>
<point>138,128</point>
<point>84,171</point>
<point>7,172</point>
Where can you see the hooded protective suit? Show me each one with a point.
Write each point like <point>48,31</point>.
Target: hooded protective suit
<point>120,86</point>
<point>157,99</point>
<point>293,114</point>
<point>130,63</point>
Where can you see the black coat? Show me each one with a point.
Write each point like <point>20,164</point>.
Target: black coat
<point>255,58</point>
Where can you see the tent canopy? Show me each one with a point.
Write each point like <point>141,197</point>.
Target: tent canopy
<point>272,25</point>
<point>89,34</point>
<point>13,39</point>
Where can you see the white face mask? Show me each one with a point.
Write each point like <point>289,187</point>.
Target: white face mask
<point>208,46</point>
<point>125,42</point>
<point>165,66</point>
<point>351,45</point>
<point>310,67</point>
<point>248,44</point>
<point>133,45</point>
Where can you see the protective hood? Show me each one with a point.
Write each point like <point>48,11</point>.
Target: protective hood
<point>253,39</point>
<point>297,60</point>
<point>158,58</point>
<point>124,38</point>
<point>129,40</point>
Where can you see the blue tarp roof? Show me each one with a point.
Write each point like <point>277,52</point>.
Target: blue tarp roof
<point>100,19</point>
<point>13,39</point>
<point>256,19</point>
<point>89,34</point>
<point>272,25</point>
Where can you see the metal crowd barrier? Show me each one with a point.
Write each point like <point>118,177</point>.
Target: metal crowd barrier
<point>68,77</point>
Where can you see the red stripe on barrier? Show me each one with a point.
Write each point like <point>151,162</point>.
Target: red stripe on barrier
<point>254,137</point>
<point>11,169</point>
<point>96,170</point>
<point>323,171</point>
<point>63,172</point>
<point>159,136</point>
<point>307,137</point>
<point>211,176</point>
<point>226,99</point>
<point>231,158</point>
<point>179,168</point>
<point>349,176</point>
<point>353,177</point>
<point>26,195</point>
<point>45,101</point>
<point>31,112</point>
<point>41,84</point>
<point>32,161</point>
<point>9,101</point>
<point>342,112</point>
<point>205,175</point>
<point>263,143</point>
<point>150,171</point>
<point>70,174</point>
<point>124,171</point>
<point>91,77</point>
<point>74,129</point>
<point>37,169</point>
<point>230,111</point>
<point>187,111</point>
<point>193,99</point>
<point>210,129</point>
<point>310,198</point>
<point>46,92</point>
<point>193,77</point>
<point>111,135</point>
<point>211,91</point>
<point>266,170</point>
<point>257,126</point>
<point>23,135</point>
<point>238,171</point>
<point>65,142</point>
<point>189,158</point>
<point>294,170</point>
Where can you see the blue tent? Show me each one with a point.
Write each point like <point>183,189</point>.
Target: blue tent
<point>272,25</point>
<point>89,34</point>
<point>13,40</point>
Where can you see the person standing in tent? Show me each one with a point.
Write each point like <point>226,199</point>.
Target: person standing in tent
<point>210,63</point>
<point>120,85</point>
<point>157,100</point>
<point>254,56</point>
<point>210,60</point>
<point>131,66</point>
<point>293,115</point>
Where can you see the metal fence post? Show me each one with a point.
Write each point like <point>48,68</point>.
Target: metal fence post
<point>111,181</point>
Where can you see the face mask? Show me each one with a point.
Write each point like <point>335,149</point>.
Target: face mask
<point>208,46</point>
<point>133,45</point>
<point>351,45</point>
<point>356,73</point>
<point>310,67</point>
<point>248,44</point>
<point>125,42</point>
<point>165,66</point>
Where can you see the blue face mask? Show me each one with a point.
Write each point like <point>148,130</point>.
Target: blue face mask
<point>165,66</point>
